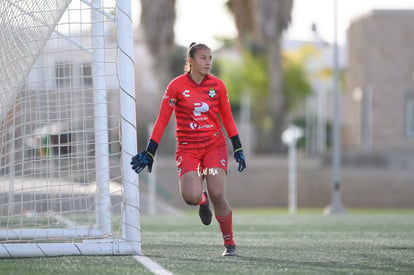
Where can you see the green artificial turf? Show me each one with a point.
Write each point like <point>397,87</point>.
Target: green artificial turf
<point>269,241</point>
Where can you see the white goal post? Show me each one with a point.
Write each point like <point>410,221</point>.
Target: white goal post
<point>67,129</point>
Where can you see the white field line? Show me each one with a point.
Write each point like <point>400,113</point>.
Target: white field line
<point>152,266</point>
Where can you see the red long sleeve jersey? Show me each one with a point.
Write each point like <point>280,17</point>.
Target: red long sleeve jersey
<point>197,108</point>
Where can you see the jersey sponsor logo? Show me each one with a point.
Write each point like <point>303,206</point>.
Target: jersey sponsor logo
<point>200,108</point>
<point>186,93</point>
<point>201,118</point>
<point>193,125</point>
<point>196,126</point>
<point>212,92</point>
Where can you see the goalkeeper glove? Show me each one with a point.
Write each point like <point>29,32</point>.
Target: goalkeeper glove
<point>145,158</point>
<point>238,152</point>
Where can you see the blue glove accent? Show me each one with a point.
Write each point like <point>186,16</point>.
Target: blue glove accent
<point>142,160</point>
<point>145,158</point>
<point>240,159</point>
<point>238,152</point>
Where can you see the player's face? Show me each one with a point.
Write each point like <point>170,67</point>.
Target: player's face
<point>202,61</point>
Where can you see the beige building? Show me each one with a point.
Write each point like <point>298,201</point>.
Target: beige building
<point>379,105</point>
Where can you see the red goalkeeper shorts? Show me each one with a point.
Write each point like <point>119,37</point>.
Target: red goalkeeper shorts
<point>205,161</point>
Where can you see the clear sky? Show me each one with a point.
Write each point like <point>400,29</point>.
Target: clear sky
<point>203,20</point>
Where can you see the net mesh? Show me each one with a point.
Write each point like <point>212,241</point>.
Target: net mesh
<point>47,120</point>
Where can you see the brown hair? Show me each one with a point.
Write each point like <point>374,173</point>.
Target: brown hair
<point>192,49</point>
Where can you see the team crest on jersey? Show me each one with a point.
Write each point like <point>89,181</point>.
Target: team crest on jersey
<point>212,92</point>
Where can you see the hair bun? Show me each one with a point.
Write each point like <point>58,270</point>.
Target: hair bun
<point>192,44</point>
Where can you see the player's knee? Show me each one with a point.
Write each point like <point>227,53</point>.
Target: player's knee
<point>216,194</point>
<point>190,202</point>
<point>190,199</point>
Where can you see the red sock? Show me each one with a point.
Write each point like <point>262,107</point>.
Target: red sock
<point>226,226</point>
<point>203,200</point>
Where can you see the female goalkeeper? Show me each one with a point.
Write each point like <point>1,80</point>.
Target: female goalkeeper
<point>198,98</point>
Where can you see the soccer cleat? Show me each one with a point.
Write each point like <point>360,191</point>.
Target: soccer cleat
<point>229,250</point>
<point>204,212</point>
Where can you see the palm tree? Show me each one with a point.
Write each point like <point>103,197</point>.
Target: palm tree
<point>156,43</point>
<point>263,22</point>
<point>157,22</point>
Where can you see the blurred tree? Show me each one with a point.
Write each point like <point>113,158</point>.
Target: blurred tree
<point>157,23</point>
<point>260,24</point>
<point>251,74</point>
<point>296,86</point>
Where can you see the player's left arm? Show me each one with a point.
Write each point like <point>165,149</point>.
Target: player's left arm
<point>231,129</point>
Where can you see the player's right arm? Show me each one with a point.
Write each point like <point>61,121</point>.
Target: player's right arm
<point>146,158</point>
<point>167,106</point>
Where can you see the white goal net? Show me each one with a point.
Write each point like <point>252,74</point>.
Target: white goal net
<point>67,129</point>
